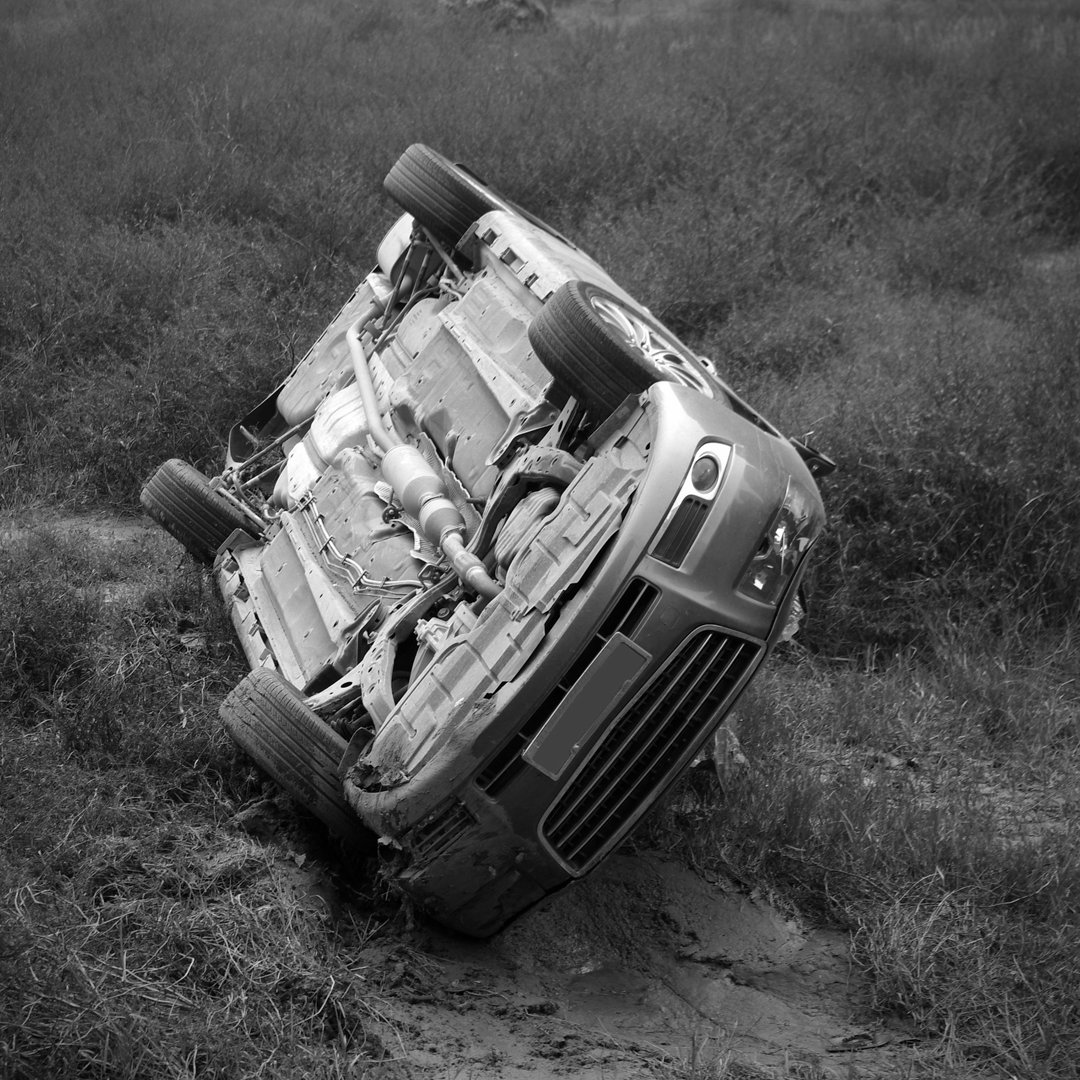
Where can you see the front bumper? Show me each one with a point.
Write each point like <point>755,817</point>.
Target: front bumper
<point>506,776</point>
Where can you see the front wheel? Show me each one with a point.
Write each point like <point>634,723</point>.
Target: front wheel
<point>267,718</point>
<point>180,499</point>
<point>603,349</point>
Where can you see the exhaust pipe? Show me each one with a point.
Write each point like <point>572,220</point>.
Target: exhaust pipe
<point>418,486</point>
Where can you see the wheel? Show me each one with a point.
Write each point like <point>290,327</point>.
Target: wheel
<point>269,721</point>
<point>443,197</point>
<point>180,499</point>
<point>603,349</point>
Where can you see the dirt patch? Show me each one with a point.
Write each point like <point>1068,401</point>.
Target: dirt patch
<point>645,969</point>
<point>642,968</point>
<point>619,14</point>
<point>131,550</point>
<point>100,529</point>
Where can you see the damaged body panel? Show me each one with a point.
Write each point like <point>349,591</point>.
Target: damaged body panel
<point>512,550</point>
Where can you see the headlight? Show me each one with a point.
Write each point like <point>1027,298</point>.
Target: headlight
<point>785,542</point>
<point>691,505</point>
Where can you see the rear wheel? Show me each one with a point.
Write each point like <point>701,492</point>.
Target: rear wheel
<point>180,499</point>
<point>268,720</point>
<point>443,197</point>
<point>603,349</point>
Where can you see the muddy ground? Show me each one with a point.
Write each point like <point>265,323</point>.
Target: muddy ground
<point>646,969</point>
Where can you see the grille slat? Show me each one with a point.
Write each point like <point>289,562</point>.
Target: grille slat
<point>634,776</point>
<point>618,765</point>
<point>650,733</point>
<point>648,742</point>
<point>630,609</point>
<point>619,769</point>
<point>440,830</point>
<point>723,672</point>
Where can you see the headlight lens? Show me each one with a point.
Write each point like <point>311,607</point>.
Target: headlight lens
<point>705,473</point>
<point>782,547</point>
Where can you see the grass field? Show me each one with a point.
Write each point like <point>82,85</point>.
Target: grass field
<point>867,214</point>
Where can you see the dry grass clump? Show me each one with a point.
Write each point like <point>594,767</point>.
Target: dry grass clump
<point>98,643</point>
<point>141,933</point>
<point>932,808</point>
<point>995,992</point>
<point>172,949</point>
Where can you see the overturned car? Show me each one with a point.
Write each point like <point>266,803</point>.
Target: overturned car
<point>501,551</point>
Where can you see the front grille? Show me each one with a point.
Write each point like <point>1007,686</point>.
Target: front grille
<point>439,830</point>
<point>624,618</point>
<point>647,744</point>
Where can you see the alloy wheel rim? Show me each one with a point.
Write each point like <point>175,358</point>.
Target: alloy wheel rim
<point>660,350</point>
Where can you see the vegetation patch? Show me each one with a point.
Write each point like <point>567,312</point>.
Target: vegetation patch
<point>866,215</point>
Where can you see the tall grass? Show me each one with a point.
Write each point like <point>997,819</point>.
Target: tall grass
<point>865,216</point>
<point>106,654</point>
<point>931,809</point>
<point>835,206</point>
<point>141,932</point>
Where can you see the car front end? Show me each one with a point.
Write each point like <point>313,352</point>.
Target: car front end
<point>500,779</point>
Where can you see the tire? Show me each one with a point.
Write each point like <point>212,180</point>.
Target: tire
<point>180,499</point>
<point>443,197</point>
<point>603,349</point>
<point>269,721</point>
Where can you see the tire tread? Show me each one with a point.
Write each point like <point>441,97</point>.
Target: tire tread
<point>424,183</point>
<point>269,721</point>
<point>582,357</point>
<point>180,499</point>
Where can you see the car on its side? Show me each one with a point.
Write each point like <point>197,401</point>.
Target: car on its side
<point>501,551</point>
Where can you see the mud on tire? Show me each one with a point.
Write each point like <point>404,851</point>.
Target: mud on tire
<point>603,349</point>
<point>269,721</point>
<point>180,499</point>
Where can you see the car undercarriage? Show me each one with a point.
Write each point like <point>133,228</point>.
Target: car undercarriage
<point>501,552</point>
